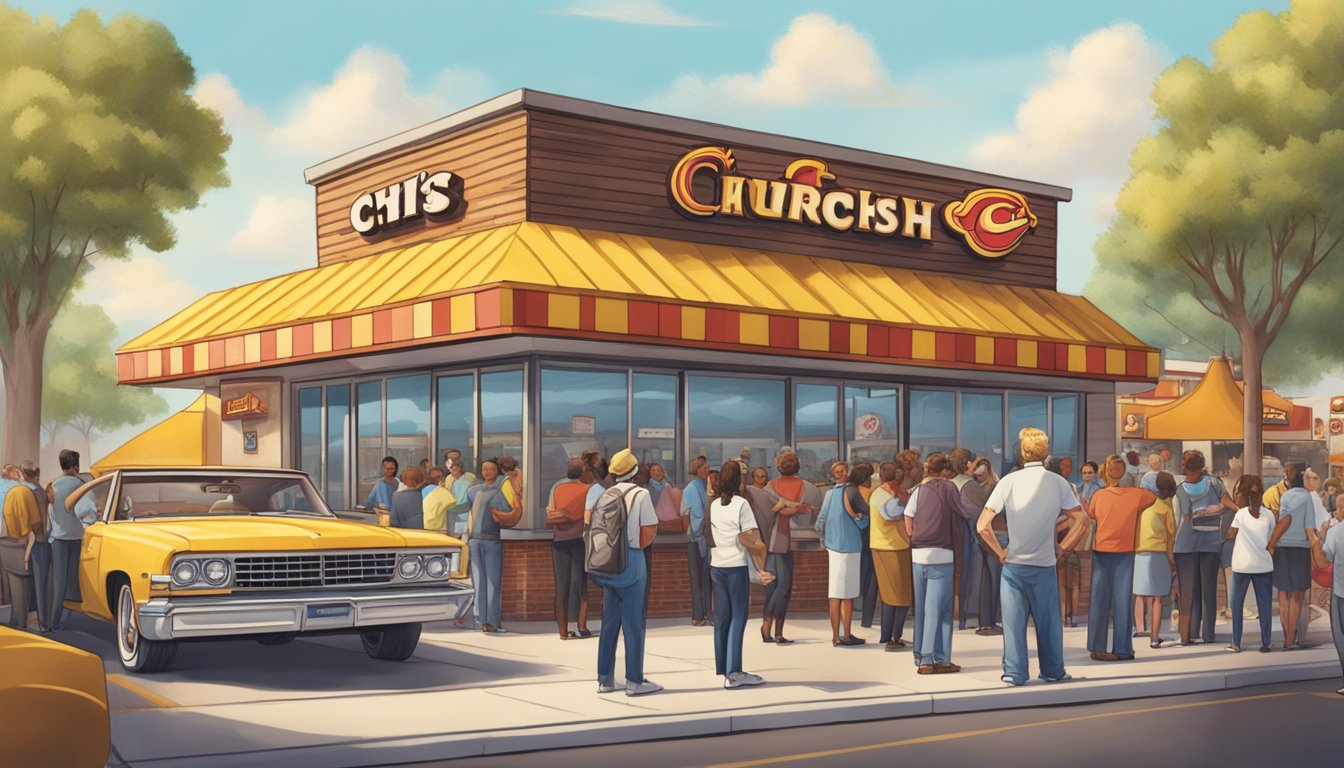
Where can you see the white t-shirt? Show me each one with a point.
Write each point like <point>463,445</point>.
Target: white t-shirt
<point>726,522</point>
<point>1032,500</point>
<point>925,555</point>
<point>639,514</point>
<point>1248,551</point>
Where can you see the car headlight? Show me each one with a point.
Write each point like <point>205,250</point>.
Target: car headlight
<point>409,568</point>
<point>216,572</point>
<point>185,573</point>
<point>436,566</point>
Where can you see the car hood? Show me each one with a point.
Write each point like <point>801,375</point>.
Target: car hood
<point>279,534</point>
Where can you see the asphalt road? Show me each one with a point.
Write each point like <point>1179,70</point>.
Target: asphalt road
<point>1298,724</point>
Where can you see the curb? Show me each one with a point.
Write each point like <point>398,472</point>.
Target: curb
<point>446,746</point>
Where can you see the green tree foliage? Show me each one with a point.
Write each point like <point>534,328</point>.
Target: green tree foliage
<point>79,385</point>
<point>1232,217</point>
<point>99,141</point>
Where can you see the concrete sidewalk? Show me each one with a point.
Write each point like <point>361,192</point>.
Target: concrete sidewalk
<point>323,702</point>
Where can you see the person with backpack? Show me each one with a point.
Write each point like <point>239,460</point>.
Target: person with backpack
<point>621,522</point>
<point>737,543</point>
<point>793,492</point>
<point>1200,501</point>
<point>933,525</point>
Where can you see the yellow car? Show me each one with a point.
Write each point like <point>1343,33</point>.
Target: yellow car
<point>54,700</point>
<point>214,552</point>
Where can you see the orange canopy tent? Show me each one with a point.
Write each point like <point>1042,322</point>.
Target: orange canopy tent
<point>181,440</point>
<point>1211,411</point>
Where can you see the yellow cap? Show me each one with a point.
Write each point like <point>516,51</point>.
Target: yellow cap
<point>623,463</point>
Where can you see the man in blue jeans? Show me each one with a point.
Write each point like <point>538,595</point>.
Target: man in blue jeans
<point>1032,501</point>
<point>933,523</point>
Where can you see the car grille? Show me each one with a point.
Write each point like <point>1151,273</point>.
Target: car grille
<point>316,570</point>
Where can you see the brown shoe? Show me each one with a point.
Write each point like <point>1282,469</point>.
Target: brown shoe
<point>946,669</point>
<point>1103,656</point>
<point>926,669</point>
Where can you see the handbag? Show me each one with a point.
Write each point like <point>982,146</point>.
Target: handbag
<point>11,556</point>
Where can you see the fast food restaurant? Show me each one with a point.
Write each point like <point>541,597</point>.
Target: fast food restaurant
<point>539,275</point>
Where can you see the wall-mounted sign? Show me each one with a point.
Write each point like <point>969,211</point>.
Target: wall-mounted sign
<point>244,406</point>
<point>1337,404</point>
<point>1318,428</point>
<point>1336,426</point>
<point>1133,425</point>
<point>1272,415</point>
<point>992,222</point>
<point>583,425</point>
<point>438,195</point>
<point>250,441</point>
<point>656,433</point>
<point>868,426</point>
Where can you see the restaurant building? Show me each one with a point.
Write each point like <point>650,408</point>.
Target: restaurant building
<point>540,275</point>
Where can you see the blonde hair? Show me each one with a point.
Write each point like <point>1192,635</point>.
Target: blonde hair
<point>1035,444</point>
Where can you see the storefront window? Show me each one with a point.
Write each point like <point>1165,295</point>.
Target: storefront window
<point>933,421</point>
<point>730,415</point>
<point>368,464</point>
<point>653,428</point>
<point>456,403</point>
<point>815,431</point>
<point>310,432</point>
<point>1064,430</point>
<point>338,437</point>
<point>408,419</point>
<point>1024,411</point>
<point>580,411</point>
<point>502,416</point>
<point>982,425</point>
<point>872,430</point>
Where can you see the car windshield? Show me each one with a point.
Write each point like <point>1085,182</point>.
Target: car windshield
<point>241,495</point>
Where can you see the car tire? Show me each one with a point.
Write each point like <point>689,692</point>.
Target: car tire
<point>392,643</point>
<point>136,653</point>
<point>279,638</point>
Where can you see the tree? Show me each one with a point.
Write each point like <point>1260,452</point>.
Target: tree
<point>80,381</point>
<point>1233,206</point>
<point>101,142</point>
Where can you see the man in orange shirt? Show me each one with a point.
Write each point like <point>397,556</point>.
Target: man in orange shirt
<point>1116,510</point>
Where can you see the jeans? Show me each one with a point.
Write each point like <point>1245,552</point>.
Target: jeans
<point>991,572</point>
<point>732,593</point>
<point>1197,575</point>
<point>65,577</point>
<point>1031,590</point>
<point>933,613</point>
<point>623,614</point>
<point>40,563</point>
<point>778,592</point>
<point>698,564</point>
<point>570,578</point>
<point>1262,583</point>
<point>1112,602</point>
<point>970,569</point>
<point>893,622</point>
<point>487,570</point>
<point>867,584</point>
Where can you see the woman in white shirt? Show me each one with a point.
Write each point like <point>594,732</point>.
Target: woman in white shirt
<point>1252,565</point>
<point>735,537</point>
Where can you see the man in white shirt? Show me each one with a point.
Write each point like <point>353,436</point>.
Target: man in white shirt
<point>1032,501</point>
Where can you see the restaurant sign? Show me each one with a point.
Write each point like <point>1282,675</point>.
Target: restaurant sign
<point>992,222</point>
<point>244,406</point>
<point>437,195</point>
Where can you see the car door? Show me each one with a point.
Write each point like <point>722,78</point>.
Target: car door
<point>91,581</point>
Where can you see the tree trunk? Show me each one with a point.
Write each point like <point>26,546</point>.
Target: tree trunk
<point>23,393</point>
<point>1253,419</point>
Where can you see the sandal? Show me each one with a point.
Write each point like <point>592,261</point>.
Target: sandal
<point>782,640</point>
<point>766,638</point>
<point>568,636</point>
<point>585,632</point>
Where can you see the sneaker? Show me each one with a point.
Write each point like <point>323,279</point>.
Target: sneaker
<point>739,679</point>
<point>1012,682</point>
<point>606,686</point>
<point>639,689</point>
<point>1061,678</point>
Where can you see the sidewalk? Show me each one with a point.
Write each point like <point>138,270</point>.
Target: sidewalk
<point>322,702</point>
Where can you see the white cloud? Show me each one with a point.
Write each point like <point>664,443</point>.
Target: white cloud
<point>136,290</point>
<point>282,229</point>
<point>818,60</point>
<point>642,12</point>
<point>1086,118</point>
<point>215,91</point>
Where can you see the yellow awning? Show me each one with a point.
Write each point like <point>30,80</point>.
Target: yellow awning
<point>178,441</point>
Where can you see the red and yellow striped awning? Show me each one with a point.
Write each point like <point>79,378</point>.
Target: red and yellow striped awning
<point>540,279</point>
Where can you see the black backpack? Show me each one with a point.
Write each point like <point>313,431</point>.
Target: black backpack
<point>604,540</point>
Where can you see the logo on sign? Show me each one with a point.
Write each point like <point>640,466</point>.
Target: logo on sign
<point>992,221</point>
<point>869,425</point>
<point>438,195</point>
<point>1337,426</point>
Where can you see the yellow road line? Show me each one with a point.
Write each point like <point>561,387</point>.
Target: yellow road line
<point>142,692</point>
<point>1330,696</point>
<point>986,731</point>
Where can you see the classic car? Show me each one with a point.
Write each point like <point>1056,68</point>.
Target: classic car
<point>48,692</point>
<point>215,552</point>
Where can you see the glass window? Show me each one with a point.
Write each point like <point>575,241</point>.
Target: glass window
<point>580,411</point>
<point>408,419</point>
<point>730,415</point>
<point>815,432</point>
<point>982,425</point>
<point>502,416</point>
<point>310,432</point>
<point>933,421</point>
<point>871,428</point>
<point>369,460</point>
<point>653,428</point>
<point>1024,411</point>
<point>338,438</point>
<point>1064,431</point>
<point>457,417</point>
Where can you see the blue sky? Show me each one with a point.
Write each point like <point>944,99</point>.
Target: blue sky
<point>1047,90</point>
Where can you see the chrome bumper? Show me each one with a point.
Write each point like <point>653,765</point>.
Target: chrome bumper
<point>177,618</point>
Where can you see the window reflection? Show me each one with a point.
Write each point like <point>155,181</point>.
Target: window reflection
<point>933,421</point>
<point>815,431</point>
<point>580,411</point>
<point>730,415</point>
<point>653,427</point>
<point>338,438</point>
<point>982,425</point>
<point>1024,411</point>
<point>502,415</point>
<point>456,404</point>
<point>1064,430</point>
<point>368,465</point>
<point>872,431</point>
<point>408,419</point>
<point>310,432</point>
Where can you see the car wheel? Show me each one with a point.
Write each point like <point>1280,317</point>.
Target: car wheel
<point>279,638</point>
<point>136,653</point>
<point>394,643</point>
